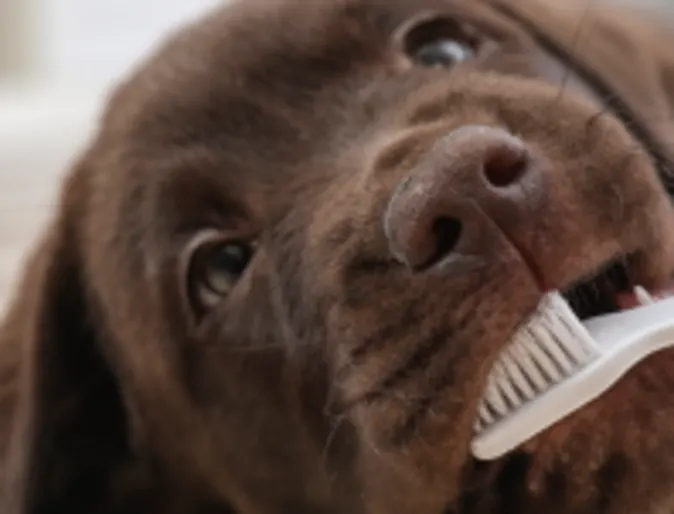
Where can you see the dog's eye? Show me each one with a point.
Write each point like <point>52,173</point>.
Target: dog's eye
<point>224,265</point>
<point>443,53</point>
<point>438,41</point>
<point>215,268</point>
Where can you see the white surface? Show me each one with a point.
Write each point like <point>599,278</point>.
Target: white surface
<point>40,134</point>
<point>71,41</point>
<point>100,38</point>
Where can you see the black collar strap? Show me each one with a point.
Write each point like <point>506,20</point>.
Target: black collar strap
<point>611,99</point>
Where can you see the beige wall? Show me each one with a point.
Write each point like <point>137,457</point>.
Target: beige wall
<point>19,41</point>
<point>39,136</point>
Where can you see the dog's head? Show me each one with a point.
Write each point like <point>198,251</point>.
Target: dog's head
<point>281,273</point>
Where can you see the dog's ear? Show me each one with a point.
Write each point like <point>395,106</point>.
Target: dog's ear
<point>68,428</point>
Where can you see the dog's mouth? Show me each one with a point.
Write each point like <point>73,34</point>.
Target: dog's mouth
<point>541,375</point>
<point>612,288</point>
<point>601,292</point>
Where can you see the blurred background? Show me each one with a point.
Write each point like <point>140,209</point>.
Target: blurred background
<point>57,60</point>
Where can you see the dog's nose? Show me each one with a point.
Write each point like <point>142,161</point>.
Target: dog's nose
<point>476,180</point>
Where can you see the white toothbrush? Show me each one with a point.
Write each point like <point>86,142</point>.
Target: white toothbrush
<point>555,365</point>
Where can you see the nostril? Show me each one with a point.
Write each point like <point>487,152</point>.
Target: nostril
<point>447,232</point>
<point>446,202</point>
<point>505,165</point>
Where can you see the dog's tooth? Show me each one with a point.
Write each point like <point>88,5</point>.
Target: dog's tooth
<point>643,297</point>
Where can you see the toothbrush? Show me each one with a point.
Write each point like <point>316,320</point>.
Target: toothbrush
<point>555,365</point>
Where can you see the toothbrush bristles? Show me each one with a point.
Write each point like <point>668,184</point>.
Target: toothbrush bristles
<point>551,346</point>
<point>555,364</point>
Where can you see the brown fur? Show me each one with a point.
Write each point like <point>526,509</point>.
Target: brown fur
<point>333,378</point>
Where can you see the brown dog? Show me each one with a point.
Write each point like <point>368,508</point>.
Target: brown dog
<point>281,272</point>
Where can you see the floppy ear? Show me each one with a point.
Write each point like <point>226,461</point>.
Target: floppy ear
<point>68,428</point>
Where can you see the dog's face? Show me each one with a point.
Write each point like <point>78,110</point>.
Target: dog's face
<point>306,230</point>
